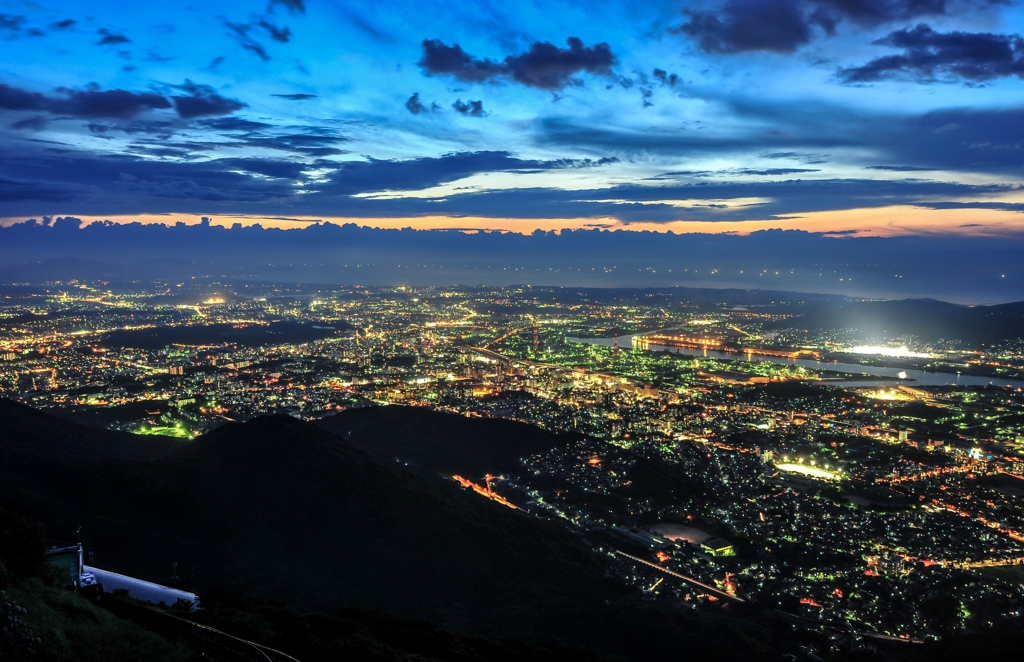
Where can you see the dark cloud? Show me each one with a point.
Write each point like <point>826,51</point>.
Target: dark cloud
<point>414,105</point>
<point>543,66</point>
<point>66,24</point>
<point>240,31</point>
<point>749,25</point>
<point>960,204</point>
<point>871,13</point>
<point>13,98</point>
<point>958,140</point>
<point>640,204</point>
<point>95,183</point>
<point>294,6</point>
<point>153,56</point>
<point>161,129</point>
<point>896,168</point>
<point>265,167</point>
<point>313,142</point>
<point>243,32</point>
<point>680,174</point>
<point>783,26</point>
<point>580,163</point>
<point>439,59</point>
<point>374,175</point>
<point>203,101</point>
<point>94,103</point>
<point>762,172</point>
<point>232,124</point>
<point>111,38</point>
<point>666,78</point>
<point>20,189</point>
<point>160,151</point>
<point>11,23</point>
<point>35,123</point>
<point>470,108</point>
<point>930,56</point>
<point>975,141</point>
<point>295,97</point>
<point>548,67</point>
<point>126,180</point>
<point>135,183</point>
<point>279,34</point>
<point>809,159</point>
<point>772,172</point>
<point>805,134</point>
<point>367,28</point>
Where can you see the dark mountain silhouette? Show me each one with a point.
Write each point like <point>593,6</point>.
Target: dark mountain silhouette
<point>246,335</point>
<point>439,442</point>
<point>26,431</point>
<point>282,509</point>
<point>73,628</point>
<point>926,318</point>
<point>792,393</point>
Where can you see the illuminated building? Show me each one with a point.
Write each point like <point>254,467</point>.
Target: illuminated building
<point>718,547</point>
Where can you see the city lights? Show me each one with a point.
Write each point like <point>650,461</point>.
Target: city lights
<point>895,352</point>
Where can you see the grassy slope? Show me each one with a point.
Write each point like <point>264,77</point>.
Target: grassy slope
<point>74,630</point>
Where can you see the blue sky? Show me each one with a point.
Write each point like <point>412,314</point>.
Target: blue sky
<point>739,114</point>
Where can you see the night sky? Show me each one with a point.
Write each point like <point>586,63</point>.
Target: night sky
<point>872,116</point>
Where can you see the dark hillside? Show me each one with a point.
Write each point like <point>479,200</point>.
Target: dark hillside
<point>283,509</point>
<point>925,318</point>
<point>440,442</point>
<point>26,431</point>
<point>791,393</point>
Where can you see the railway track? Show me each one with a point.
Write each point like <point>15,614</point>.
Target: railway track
<point>211,643</point>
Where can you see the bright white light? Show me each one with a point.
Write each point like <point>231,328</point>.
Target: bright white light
<point>813,472</point>
<point>901,352</point>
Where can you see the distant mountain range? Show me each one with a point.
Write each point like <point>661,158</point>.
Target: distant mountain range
<point>926,318</point>
<point>284,509</point>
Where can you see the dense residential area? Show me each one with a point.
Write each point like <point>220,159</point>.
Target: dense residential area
<point>712,453</point>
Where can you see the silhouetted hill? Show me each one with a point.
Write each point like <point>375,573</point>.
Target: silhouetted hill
<point>918,410</point>
<point>792,392</point>
<point>926,318</point>
<point>278,508</point>
<point>73,629</point>
<point>246,335</point>
<point>440,442</point>
<point>26,431</point>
